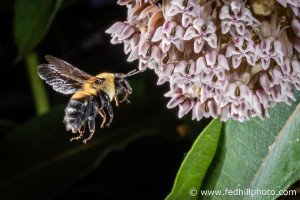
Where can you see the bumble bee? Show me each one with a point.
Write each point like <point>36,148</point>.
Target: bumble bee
<point>91,94</point>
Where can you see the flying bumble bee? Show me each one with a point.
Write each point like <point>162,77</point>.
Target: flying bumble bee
<point>91,94</point>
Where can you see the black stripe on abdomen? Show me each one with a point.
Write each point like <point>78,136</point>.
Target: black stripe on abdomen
<point>75,114</point>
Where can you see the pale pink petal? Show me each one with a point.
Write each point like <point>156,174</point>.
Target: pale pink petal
<point>266,45</point>
<point>116,39</point>
<point>198,23</point>
<point>177,99</point>
<point>181,66</point>
<point>123,2</point>
<point>184,108</point>
<point>158,35</point>
<point>224,12</point>
<point>156,53</point>
<point>265,82</point>
<point>143,65</point>
<point>134,54</point>
<point>193,68</point>
<point>116,28</point>
<point>256,104</point>
<point>143,48</point>
<point>168,69</point>
<point>198,44</point>
<point>212,40</point>
<point>229,51</point>
<point>244,91</point>
<point>225,114</point>
<point>222,62</point>
<point>165,46</point>
<point>168,26</point>
<point>173,10</point>
<point>199,110</point>
<point>179,44</point>
<point>225,26</point>
<point>239,42</point>
<point>221,75</point>
<point>296,66</point>
<point>211,27</point>
<point>230,89</point>
<point>190,33</point>
<point>127,32</point>
<point>265,63</point>
<point>213,109</point>
<point>263,97</point>
<point>286,67</point>
<point>240,28</point>
<point>236,61</point>
<point>278,47</point>
<point>179,32</point>
<point>201,63</point>
<point>211,58</point>
<point>236,7</point>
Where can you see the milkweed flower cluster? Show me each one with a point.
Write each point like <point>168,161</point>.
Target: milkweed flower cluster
<point>231,58</point>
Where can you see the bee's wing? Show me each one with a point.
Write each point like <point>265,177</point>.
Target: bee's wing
<point>62,76</point>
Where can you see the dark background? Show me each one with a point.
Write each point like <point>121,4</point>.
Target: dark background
<point>146,167</point>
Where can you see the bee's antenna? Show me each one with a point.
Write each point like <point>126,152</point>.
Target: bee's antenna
<point>133,72</point>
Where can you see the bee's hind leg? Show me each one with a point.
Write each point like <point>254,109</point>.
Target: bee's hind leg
<point>90,137</point>
<point>81,131</point>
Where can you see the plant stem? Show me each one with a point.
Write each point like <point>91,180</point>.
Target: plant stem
<point>37,86</point>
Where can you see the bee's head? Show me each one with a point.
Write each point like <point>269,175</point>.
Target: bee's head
<point>121,82</point>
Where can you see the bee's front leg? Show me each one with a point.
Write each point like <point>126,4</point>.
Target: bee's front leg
<point>125,97</point>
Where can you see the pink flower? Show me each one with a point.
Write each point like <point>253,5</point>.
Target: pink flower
<point>201,33</point>
<point>165,73</point>
<point>270,50</point>
<point>124,33</point>
<point>212,65</point>
<point>148,54</point>
<point>186,75</point>
<point>241,18</point>
<point>189,9</point>
<point>241,49</point>
<point>169,34</point>
<point>207,109</point>
<point>182,43</point>
<point>293,4</point>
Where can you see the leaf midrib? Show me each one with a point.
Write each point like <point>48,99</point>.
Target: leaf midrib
<point>275,143</point>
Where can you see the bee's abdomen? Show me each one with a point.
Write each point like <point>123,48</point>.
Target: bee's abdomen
<point>75,114</point>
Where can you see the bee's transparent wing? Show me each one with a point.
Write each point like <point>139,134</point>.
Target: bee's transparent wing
<point>62,76</point>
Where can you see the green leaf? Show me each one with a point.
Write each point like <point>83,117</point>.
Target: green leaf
<point>196,163</point>
<point>32,21</point>
<point>259,155</point>
<point>38,161</point>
